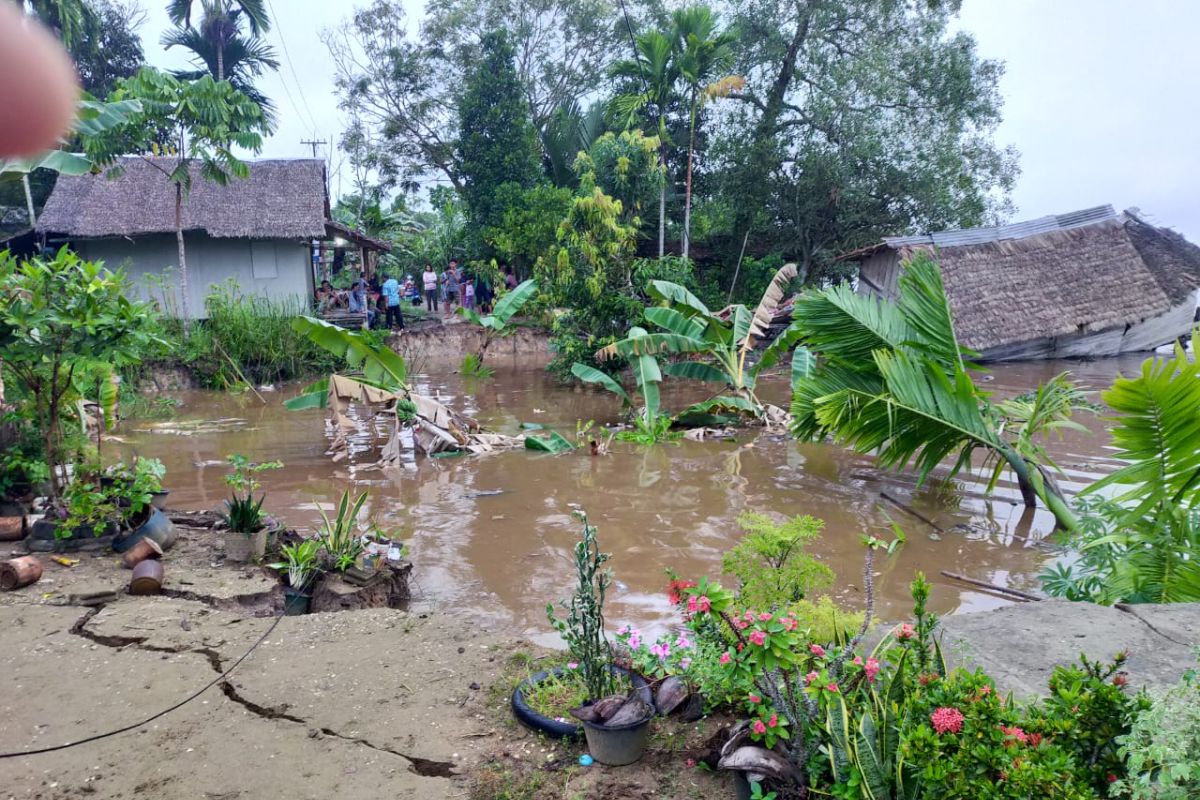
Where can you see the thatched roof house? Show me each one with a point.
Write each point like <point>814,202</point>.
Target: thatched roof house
<point>271,232</point>
<point>1089,283</point>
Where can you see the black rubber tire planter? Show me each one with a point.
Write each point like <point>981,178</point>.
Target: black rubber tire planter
<point>551,727</point>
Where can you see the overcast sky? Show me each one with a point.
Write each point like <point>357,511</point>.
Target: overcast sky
<point>1102,97</point>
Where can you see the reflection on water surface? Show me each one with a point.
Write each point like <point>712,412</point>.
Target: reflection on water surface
<point>501,557</point>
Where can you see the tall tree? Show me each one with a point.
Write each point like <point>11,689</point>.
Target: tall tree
<point>702,53</point>
<point>207,119</point>
<point>180,12</point>
<point>222,49</point>
<point>71,20</point>
<point>497,144</point>
<point>651,76</point>
<point>859,118</point>
<point>113,50</point>
<point>406,88</point>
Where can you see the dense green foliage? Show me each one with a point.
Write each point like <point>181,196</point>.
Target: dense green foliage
<point>1162,749</point>
<point>63,320</point>
<point>1143,544</point>
<point>770,562</point>
<point>497,147</point>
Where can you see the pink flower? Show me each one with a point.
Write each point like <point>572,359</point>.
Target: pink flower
<point>703,603</point>
<point>749,615</point>
<point>692,606</point>
<point>810,677</point>
<point>661,650</point>
<point>684,663</point>
<point>1016,733</point>
<point>947,720</point>
<point>758,638</point>
<point>572,665</point>
<point>758,727</point>
<point>773,721</point>
<point>871,668</point>
<point>625,630</point>
<point>635,639</point>
<point>788,623</point>
<point>905,631</point>
<point>742,624</point>
<point>691,762</point>
<point>764,617</point>
<point>817,650</point>
<point>683,642</point>
<point>857,661</point>
<point>831,687</point>
<point>754,698</point>
<point>725,657</point>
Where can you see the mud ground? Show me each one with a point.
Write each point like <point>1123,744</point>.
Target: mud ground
<point>368,704</point>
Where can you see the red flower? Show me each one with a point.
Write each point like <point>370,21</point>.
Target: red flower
<point>1112,778</point>
<point>1120,679</point>
<point>1016,734</point>
<point>758,638</point>
<point>1035,739</point>
<point>773,721</point>
<point>758,727</point>
<point>947,720</point>
<point>754,698</point>
<point>675,587</point>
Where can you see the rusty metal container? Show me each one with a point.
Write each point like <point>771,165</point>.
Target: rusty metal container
<point>144,549</point>
<point>18,572</point>
<point>147,577</point>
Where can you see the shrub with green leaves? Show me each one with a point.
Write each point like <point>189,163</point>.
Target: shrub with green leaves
<point>1162,748</point>
<point>770,563</point>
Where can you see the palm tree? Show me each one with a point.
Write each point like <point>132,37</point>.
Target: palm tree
<point>71,20</point>
<point>892,379</point>
<point>569,131</point>
<point>654,68</point>
<point>223,51</point>
<point>703,52</point>
<point>220,28</point>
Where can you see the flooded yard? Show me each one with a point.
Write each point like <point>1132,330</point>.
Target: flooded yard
<point>490,535</point>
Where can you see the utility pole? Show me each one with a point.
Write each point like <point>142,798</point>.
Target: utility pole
<point>313,144</point>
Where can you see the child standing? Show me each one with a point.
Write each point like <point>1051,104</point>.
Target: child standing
<point>469,295</point>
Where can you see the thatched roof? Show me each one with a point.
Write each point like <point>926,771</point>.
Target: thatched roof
<point>1077,280</point>
<point>282,198</point>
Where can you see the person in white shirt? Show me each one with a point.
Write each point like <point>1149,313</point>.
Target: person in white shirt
<point>430,280</point>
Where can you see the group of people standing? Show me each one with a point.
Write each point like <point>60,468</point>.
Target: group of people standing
<point>453,286</point>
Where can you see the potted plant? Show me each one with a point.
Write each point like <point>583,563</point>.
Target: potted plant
<point>133,487</point>
<point>300,561</point>
<point>341,545</point>
<point>246,537</point>
<point>618,709</point>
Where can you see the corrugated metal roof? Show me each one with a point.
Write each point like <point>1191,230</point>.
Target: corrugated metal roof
<point>1015,230</point>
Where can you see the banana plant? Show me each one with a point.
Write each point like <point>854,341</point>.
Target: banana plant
<point>718,349</point>
<point>647,375</point>
<point>495,325</point>
<point>380,366</point>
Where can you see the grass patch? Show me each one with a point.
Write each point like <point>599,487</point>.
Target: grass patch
<point>473,367</point>
<point>555,696</point>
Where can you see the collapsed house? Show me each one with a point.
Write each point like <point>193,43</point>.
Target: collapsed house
<point>1089,283</point>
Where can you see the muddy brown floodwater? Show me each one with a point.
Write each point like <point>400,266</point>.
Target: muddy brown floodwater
<point>491,535</point>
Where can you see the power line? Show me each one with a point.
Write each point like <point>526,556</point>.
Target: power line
<point>163,713</point>
<point>633,43</point>
<point>288,57</point>
<point>313,144</point>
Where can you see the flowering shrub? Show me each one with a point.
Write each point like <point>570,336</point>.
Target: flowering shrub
<point>961,740</point>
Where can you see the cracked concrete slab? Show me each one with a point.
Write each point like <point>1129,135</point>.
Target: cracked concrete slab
<point>322,708</point>
<point>1020,645</point>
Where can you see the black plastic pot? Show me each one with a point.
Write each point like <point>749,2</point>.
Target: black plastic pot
<point>157,527</point>
<point>563,730</point>
<point>296,602</point>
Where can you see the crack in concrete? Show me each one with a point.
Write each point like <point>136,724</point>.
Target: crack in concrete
<point>421,766</point>
<point>1128,610</point>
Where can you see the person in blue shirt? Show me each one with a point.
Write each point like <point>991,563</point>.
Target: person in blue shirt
<point>360,301</point>
<point>391,294</point>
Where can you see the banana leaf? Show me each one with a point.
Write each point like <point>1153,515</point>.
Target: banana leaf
<point>696,371</point>
<point>590,374</point>
<point>548,442</point>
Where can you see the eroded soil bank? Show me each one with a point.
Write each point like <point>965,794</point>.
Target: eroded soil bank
<point>380,703</point>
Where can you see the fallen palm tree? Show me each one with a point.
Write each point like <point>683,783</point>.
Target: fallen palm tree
<point>378,383</point>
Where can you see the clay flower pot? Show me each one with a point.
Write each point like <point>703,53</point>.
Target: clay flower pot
<point>18,572</point>
<point>147,578</point>
<point>144,549</point>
